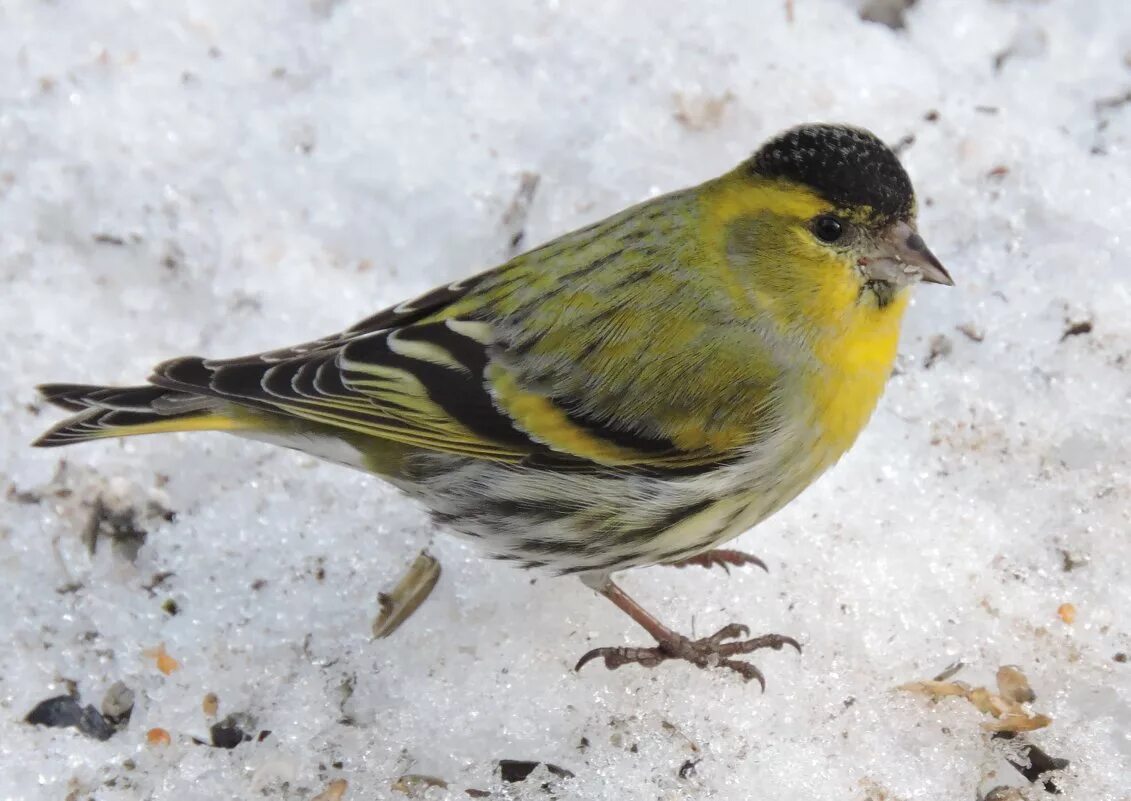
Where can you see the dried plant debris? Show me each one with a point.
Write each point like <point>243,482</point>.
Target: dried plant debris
<point>1005,706</point>
<point>892,13</point>
<point>675,730</point>
<point>415,785</point>
<point>119,525</point>
<point>874,791</point>
<point>701,113</point>
<point>113,509</point>
<point>1011,719</point>
<point>1113,102</point>
<point>1003,793</point>
<point>157,580</point>
<point>334,791</point>
<point>950,670</point>
<point>1070,561</point>
<point>1104,111</point>
<point>416,585</point>
<point>1014,686</point>
<point>1076,329</point>
<point>113,239</point>
<point>22,497</point>
<point>940,347</point>
<point>65,711</point>
<point>514,218</point>
<point>972,332</point>
<point>905,142</point>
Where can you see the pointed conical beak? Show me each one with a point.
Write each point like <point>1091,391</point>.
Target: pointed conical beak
<point>909,248</point>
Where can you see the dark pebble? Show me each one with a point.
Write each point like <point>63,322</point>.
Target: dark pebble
<point>64,711</point>
<point>516,770</point>
<point>229,732</point>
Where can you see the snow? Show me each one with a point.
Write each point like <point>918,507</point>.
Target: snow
<point>221,177</point>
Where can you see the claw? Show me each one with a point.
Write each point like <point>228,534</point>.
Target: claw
<point>731,632</point>
<point>724,558</point>
<point>703,653</point>
<point>746,670</point>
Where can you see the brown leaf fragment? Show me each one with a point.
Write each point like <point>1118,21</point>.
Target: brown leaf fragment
<point>334,791</point>
<point>414,785</point>
<point>1014,686</point>
<point>1017,722</point>
<point>398,605</point>
<point>1006,707</point>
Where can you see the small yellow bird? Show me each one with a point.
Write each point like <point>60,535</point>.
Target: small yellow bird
<point>635,392</point>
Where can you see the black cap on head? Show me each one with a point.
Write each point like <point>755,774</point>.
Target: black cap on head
<point>846,166</point>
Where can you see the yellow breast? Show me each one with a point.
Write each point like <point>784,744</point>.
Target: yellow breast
<point>852,366</point>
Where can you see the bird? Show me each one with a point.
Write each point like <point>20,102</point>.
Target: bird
<point>636,392</point>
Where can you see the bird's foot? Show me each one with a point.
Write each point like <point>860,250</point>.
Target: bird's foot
<point>707,652</point>
<point>721,557</point>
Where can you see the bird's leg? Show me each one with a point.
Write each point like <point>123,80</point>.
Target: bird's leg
<point>712,651</point>
<point>721,557</point>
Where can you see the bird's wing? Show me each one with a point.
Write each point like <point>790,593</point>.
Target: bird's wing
<point>397,316</point>
<point>414,375</point>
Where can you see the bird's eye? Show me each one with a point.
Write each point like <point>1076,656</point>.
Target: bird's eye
<point>828,228</point>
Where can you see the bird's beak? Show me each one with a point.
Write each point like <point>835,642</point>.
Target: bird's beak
<point>903,245</point>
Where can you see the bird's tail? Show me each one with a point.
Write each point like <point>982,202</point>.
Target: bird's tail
<point>102,412</point>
